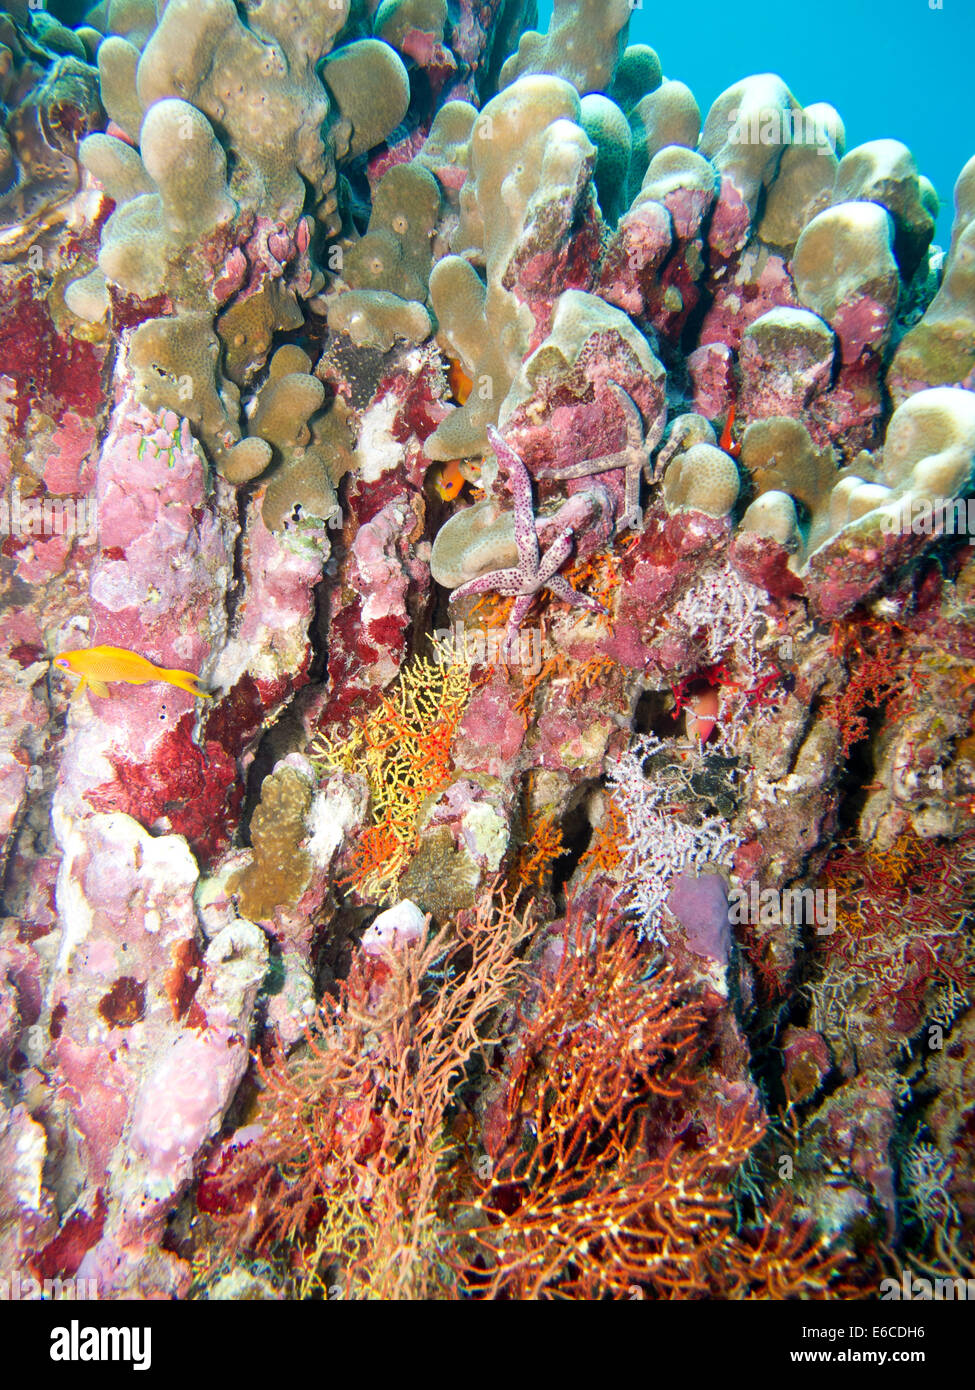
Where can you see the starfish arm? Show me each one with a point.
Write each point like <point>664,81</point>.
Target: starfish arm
<point>574,470</point>
<point>555,556</point>
<point>526,537</point>
<point>632,418</point>
<point>564,590</point>
<point>518,612</point>
<point>631,497</point>
<point>505,582</point>
<point>622,458</point>
<point>506,455</point>
<point>633,452</point>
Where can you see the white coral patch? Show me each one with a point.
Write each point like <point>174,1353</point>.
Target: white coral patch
<point>377,450</point>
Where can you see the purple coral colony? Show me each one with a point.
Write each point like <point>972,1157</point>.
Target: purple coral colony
<point>502,824</point>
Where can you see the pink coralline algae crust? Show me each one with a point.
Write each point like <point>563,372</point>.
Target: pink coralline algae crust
<point>232,724</point>
<point>156,588</point>
<point>402,152</point>
<point>383,577</point>
<point>852,567</point>
<point>70,468</point>
<point>765,563</point>
<point>269,250</point>
<point>544,264</point>
<point>748,290</point>
<point>271,624</point>
<point>52,371</point>
<point>142,1019</point>
<point>786,384</point>
<point>151,493</point>
<point>23,713</point>
<point>367,635</point>
<point>94,1086</point>
<point>574,416</point>
<point>710,368</point>
<point>862,325</point>
<point>10,1022</point>
<point>40,560</point>
<point>655,262</point>
<point>128,310</point>
<point>27,1210</point>
<point>427,53</point>
<point>640,245</point>
<point>656,569</point>
<point>62,1256</point>
<point>231,276</point>
<point>279,594</point>
<point>100,1077</point>
<point>472,34</point>
<point>851,412</point>
<point>491,734</point>
<point>730,224</point>
<point>419,410</point>
<point>174,1113</point>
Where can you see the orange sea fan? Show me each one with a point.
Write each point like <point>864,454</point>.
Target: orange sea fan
<point>574,1206</point>
<point>347,1177</point>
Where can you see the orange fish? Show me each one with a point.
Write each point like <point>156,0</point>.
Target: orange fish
<point>460,383</point>
<point>450,480</point>
<point>725,442</point>
<point>98,666</point>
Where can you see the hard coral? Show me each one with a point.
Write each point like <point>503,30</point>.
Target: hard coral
<point>727,380</point>
<point>584,43</point>
<point>280,869</point>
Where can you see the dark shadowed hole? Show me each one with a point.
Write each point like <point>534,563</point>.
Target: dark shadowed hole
<point>654,714</point>
<point>576,836</point>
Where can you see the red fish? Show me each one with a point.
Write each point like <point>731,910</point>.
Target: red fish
<point>726,442</point>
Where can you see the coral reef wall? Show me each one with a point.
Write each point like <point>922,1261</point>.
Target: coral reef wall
<point>559,882</point>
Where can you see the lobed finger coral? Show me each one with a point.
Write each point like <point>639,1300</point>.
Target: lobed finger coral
<point>564,496</point>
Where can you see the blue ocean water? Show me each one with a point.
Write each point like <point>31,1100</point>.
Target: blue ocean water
<point>894,69</point>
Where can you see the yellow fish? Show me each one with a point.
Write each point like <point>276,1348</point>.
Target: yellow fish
<point>98,665</point>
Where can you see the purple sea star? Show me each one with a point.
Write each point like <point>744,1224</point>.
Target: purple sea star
<point>535,571</point>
